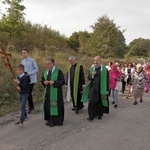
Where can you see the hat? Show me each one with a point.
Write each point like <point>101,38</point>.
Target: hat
<point>114,66</point>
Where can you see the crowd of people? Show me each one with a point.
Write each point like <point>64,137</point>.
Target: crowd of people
<point>104,80</point>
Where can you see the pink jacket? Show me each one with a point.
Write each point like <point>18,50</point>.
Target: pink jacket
<point>113,77</point>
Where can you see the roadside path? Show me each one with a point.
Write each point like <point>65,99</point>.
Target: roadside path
<point>125,128</point>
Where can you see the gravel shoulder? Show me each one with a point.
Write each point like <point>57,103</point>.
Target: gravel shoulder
<point>125,128</point>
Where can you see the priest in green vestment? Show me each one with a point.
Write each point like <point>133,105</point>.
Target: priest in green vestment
<point>75,84</point>
<point>53,104</point>
<point>97,90</point>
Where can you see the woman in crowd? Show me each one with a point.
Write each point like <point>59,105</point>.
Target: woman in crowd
<point>123,79</point>
<point>139,81</point>
<point>147,70</point>
<point>129,71</point>
<point>115,76</point>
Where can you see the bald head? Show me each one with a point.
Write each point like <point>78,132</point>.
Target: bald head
<point>97,61</point>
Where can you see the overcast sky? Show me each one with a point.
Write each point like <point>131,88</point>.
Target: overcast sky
<point>68,16</point>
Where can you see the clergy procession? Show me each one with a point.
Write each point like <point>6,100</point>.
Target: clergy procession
<point>104,81</point>
<point>129,78</point>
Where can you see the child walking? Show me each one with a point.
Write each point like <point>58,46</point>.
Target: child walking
<point>22,82</point>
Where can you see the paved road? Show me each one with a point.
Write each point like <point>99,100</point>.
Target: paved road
<point>125,128</point>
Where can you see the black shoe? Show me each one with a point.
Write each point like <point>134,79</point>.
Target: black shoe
<point>89,119</point>
<point>127,97</point>
<point>76,111</point>
<point>49,124</point>
<point>73,109</point>
<point>99,117</point>
<point>113,102</point>
<point>135,103</point>
<point>115,106</point>
<point>30,110</point>
<point>141,100</point>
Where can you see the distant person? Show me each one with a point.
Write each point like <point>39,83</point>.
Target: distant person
<point>109,65</point>
<point>147,70</point>
<point>23,88</point>
<point>139,81</point>
<point>53,104</point>
<point>75,83</point>
<point>97,91</point>
<point>109,68</point>
<point>31,69</point>
<point>123,79</point>
<point>129,71</point>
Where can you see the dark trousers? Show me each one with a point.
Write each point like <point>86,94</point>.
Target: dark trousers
<point>123,86</point>
<point>30,100</point>
<point>47,108</point>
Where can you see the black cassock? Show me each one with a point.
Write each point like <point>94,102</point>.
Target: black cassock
<point>56,120</point>
<point>81,81</point>
<point>95,106</point>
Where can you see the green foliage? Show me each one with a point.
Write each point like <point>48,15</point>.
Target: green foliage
<point>78,40</point>
<point>13,21</point>
<point>73,41</point>
<point>106,39</point>
<point>43,38</point>
<point>139,47</point>
<point>35,37</point>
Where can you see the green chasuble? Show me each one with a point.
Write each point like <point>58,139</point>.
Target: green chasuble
<point>76,82</point>
<point>53,92</point>
<point>103,84</point>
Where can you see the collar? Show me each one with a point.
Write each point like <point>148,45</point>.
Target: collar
<point>52,69</point>
<point>21,75</point>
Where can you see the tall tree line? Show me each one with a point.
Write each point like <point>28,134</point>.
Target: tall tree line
<point>106,39</point>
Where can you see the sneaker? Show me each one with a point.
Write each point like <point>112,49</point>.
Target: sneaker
<point>113,102</point>
<point>19,123</point>
<point>25,118</point>
<point>135,103</point>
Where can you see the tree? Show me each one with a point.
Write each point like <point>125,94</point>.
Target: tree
<point>73,41</point>
<point>107,39</point>
<point>139,47</point>
<point>78,40</point>
<point>13,21</point>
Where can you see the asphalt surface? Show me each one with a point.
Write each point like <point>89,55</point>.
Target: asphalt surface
<point>125,128</point>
